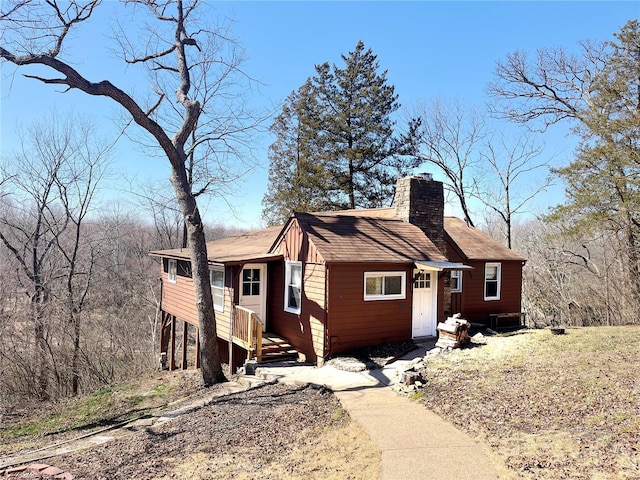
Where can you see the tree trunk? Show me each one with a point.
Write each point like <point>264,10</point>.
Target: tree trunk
<point>465,211</point>
<point>38,303</point>
<point>75,362</point>
<point>352,195</point>
<point>210,359</point>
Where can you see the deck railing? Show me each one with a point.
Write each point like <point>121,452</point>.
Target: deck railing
<point>247,331</point>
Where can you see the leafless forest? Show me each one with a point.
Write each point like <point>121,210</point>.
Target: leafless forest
<point>79,293</point>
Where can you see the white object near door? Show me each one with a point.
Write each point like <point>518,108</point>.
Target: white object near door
<point>423,322</point>
<point>253,290</point>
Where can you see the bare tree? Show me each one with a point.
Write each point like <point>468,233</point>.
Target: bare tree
<point>509,189</point>
<point>50,185</point>
<point>597,92</point>
<point>449,136</point>
<point>180,53</point>
<point>554,86</point>
<point>573,279</point>
<point>77,185</point>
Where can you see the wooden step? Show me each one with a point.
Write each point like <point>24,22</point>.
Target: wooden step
<point>279,357</point>
<point>275,348</point>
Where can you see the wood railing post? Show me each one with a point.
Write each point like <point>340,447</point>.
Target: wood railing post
<point>249,336</point>
<point>259,343</point>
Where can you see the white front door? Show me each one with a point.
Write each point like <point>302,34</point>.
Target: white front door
<point>424,316</point>
<point>253,290</point>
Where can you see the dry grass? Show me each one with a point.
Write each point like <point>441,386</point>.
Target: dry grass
<point>551,407</point>
<point>336,454</point>
<point>35,425</point>
<point>272,432</point>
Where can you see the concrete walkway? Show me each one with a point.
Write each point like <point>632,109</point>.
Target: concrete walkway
<point>415,442</point>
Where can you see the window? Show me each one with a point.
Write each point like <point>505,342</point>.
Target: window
<point>384,285</point>
<point>250,281</point>
<point>293,291</point>
<point>172,270</point>
<point>456,281</point>
<point>492,281</point>
<point>216,276</point>
<point>422,280</point>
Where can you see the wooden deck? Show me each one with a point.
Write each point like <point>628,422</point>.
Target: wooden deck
<point>246,333</point>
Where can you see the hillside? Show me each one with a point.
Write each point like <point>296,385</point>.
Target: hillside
<point>551,407</point>
<point>272,431</point>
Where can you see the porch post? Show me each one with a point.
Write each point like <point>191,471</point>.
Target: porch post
<point>232,315</point>
<point>172,359</point>
<point>250,335</point>
<point>197,348</point>
<point>185,333</point>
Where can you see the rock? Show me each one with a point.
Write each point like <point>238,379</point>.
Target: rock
<point>250,367</point>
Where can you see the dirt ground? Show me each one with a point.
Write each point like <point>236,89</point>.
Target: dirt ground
<point>275,431</point>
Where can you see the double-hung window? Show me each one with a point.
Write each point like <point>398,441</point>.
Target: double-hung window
<point>216,277</point>
<point>492,274</point>
<point>172,270</point>
<point>293,284</point>
<point>384,285</point>
<point>456,281</point>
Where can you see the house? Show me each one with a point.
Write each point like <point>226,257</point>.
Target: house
<point>491,289</point>
<point>329,282</point>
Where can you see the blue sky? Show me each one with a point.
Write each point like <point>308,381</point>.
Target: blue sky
<point>430,49</point>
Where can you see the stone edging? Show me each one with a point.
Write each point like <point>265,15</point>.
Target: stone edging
<point>44,470</point>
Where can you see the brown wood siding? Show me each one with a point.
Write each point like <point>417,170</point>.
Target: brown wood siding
<point>354,322</point>
<point>314,294</point>
<point>456,303</point>
<point>442,313</point>
<point>179,299</point>
<point>472,304</point>
<point>295,246</point>
<point>305,331</point>
<point>454,254</point>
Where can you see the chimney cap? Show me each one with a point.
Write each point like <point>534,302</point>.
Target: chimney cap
<point>425,175</point>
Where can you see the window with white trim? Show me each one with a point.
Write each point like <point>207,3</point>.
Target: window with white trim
<point>293,287</point>
<point>216,277</point>
<point>172,270</point>
<point>422,280</point>
<point>456,281</point>
<point>384,285</point>
<point>492,274</point>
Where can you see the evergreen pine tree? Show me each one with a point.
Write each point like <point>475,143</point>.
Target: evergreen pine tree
<point>335,146</point>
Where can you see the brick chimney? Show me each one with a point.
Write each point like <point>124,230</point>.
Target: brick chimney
<point>420,200</point>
